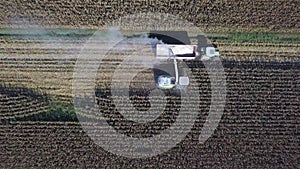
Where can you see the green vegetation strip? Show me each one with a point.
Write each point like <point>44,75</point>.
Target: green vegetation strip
<point>58,112</point>
<point>82,34</point>
<point>46,34</point>
<point>261,37</point>
<point>256,37</point>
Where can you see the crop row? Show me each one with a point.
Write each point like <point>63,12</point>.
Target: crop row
<point>260,13</point>
<point>250,136</point>
<point>20,102</point>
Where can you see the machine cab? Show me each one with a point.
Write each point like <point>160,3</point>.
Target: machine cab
<point>166,82</point>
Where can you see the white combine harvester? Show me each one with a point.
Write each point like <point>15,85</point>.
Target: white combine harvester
<point>174,52</point>
<point>177,46</point>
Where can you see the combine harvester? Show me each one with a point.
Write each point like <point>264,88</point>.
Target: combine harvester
<point>176,46</point>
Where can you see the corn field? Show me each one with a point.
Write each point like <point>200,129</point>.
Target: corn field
<point>259,45</point>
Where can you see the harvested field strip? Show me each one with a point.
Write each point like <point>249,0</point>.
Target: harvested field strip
<point>226,51</point>
<point>111,64</point>
<point>262,54</point>
<point>65,44</point>
<point>62,89</point>
<point>11,41</point>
